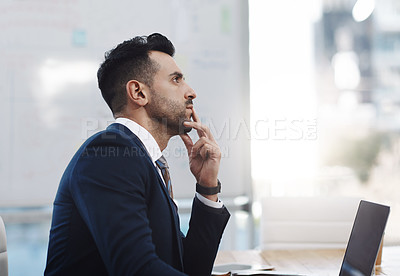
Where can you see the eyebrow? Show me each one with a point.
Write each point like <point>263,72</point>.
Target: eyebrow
<point>176,73</point>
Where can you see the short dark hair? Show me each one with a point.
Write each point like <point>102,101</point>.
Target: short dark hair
<point>130,61</point>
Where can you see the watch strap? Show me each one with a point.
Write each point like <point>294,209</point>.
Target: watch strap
<point>208,190</point>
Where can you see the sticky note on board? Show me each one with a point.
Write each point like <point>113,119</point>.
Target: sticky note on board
<point>225,20</point>
<point>79,38</point>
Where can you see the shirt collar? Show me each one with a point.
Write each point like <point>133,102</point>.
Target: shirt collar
<point>144,136</point>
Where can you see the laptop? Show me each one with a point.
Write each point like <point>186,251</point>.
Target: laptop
<point>365,239</point>
<point>362,247</point>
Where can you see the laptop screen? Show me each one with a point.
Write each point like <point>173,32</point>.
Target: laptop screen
<point>365,239</point>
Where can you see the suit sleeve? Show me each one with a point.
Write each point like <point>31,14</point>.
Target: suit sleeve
<point>201,243</point>
<point>110,196</point>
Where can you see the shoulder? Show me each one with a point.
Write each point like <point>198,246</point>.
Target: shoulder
<point>113,145</point>
<point>116,135</point>
<point>114,153</point>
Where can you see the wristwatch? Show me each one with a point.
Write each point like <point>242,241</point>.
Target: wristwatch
<point>208,190</point>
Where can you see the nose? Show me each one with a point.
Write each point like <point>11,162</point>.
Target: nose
<point>190,94</point>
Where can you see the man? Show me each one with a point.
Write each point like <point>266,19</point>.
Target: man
<point>113,212</point>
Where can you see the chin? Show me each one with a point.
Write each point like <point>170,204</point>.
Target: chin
<point>178,130</point>
<point>187,129</point>
<point>182,129</point>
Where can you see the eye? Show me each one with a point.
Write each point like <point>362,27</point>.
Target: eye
<point>177,79</point>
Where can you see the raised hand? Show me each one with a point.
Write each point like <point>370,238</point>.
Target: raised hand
<point>204,155</point>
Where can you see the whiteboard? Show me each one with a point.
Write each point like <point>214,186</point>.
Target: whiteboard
<point>50,103</point>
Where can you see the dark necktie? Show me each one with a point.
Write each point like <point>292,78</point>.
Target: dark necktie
<point>163,166</point>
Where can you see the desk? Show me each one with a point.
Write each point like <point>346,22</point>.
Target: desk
<point>315,262</point>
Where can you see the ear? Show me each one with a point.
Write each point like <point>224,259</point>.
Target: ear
<point>137,92</point>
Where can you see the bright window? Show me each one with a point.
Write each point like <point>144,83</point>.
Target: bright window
<point>325,100</point>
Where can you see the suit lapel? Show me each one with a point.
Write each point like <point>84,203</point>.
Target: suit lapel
<point>172,206</point>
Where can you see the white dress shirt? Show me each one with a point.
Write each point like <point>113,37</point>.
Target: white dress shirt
<point>155,153</point>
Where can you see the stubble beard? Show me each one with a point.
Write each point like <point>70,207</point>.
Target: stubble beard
<point>169,115</point>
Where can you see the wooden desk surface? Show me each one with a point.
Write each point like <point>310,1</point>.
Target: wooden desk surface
<point>319,262</point>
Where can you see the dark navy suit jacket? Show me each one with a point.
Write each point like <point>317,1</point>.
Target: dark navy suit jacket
<point>113,216</point>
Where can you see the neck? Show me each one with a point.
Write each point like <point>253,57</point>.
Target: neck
<point>155,128</point>
<point>162,140</point>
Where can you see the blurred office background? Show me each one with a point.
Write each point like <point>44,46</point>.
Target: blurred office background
<point>302,96</point>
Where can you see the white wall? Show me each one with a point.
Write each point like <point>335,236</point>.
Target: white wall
<point>49,101</point>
